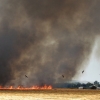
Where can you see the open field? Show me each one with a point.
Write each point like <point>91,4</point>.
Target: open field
<point>54,94</point>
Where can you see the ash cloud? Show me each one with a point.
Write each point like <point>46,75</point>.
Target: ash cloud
<point>45,39</point>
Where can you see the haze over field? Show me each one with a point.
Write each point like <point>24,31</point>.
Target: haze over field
<point>48,38</point>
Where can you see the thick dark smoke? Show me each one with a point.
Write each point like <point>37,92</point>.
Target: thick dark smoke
<point>44,39</point>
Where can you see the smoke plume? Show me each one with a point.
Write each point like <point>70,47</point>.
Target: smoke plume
<point>45,39</point>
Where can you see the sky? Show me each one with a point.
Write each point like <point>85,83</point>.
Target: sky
<point>47,39</point>
<point>92,70</point>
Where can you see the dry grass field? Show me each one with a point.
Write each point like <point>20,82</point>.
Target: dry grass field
<point>54,94</point>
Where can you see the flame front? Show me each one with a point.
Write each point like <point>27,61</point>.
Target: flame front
<point>25,88</point>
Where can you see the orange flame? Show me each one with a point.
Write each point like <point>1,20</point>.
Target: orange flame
<point>24,88</point>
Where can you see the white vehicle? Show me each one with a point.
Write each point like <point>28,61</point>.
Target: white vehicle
<point>80,87</point>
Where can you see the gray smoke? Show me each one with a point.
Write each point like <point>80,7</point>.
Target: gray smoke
<point>45,39</point>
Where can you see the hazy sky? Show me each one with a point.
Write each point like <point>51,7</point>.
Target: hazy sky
<point>92,68</point>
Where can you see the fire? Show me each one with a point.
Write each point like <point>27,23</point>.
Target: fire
<point>47,87</point>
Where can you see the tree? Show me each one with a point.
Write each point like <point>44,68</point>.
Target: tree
<point>96,83</point>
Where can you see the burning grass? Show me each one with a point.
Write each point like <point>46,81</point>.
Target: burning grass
<point>26,88</point>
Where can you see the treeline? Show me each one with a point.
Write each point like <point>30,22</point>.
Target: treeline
<point>75,85</point>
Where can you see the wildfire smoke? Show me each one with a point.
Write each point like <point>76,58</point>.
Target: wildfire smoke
<point>45,39</point>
